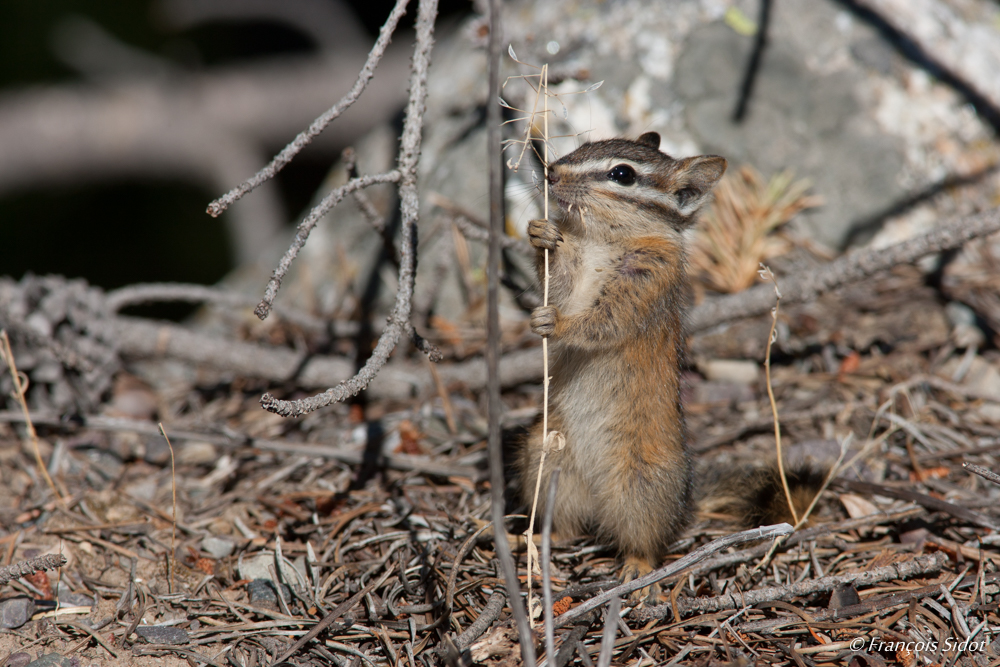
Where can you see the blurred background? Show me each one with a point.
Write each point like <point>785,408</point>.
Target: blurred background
<point>119,122</point>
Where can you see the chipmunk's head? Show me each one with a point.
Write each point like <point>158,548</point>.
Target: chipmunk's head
<point>632,185</point>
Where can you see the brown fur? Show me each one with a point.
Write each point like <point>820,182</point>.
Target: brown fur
<point>618,280</point>
<point>754,496</point>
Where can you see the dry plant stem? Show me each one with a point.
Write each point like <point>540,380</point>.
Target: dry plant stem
<point>173,492</point>
<point>406,172</point>
<point>30,566</point>
<point>550,638</point>
<point>985,473</point>
<point>679,565</point>
<point>8,354</point>
<point>808,285</point>
<point>493,120</point>
<point>918,566</point>
<point>318,125</point>
<point>543,91</point>
<point>766,274</point>
<point>305,227</point>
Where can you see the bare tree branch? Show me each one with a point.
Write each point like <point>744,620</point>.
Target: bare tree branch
<point>318,125</point>
<point>406,174</point>
<point>494,406</point>
<point>850,268</point>
<point>918,566</point>
<point>305,228</point>
<point>696,556</point>
<point>25,567</point>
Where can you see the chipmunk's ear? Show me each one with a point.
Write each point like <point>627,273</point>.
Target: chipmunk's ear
<point>651,139</point>
<point>693,181</point>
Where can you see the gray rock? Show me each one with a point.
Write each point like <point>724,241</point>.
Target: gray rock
<point>797,119</point>
<point>156,452</point>
<point>263,594</point>
<point>15,612</point>
<point>54,660</point>
<point>162,634</point>
<point>217,547</point>
<point>17,660</point>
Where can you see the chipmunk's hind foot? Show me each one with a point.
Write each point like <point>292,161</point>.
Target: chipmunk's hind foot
<point>635,567</point>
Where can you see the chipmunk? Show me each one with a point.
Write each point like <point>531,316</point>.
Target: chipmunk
<point>618,284</point>
<point>618,287</point>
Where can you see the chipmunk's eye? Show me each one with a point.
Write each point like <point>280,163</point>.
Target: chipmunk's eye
<point>622,175</point>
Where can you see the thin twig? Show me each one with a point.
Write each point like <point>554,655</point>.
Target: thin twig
<point>610,630</point>
<point>19,388</point>
<point>318,125</point>
<point>985,473</point>
<point>679,565</point>
<point>550,638</point>
<point>305,228</point>
<point>766,274</point>
<point>173,491</point>
<point>493,120</point>
<point>491,612</point>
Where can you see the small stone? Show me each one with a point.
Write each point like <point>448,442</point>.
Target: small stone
<point>263,594</point>
<point>256,566</point>
<point>54,660</point>
<point>844,596</point>
<point>15,612</point>
<point>17,660</point>
<point>162,634</point>
<point>197,453</point>
<point>217,547</point>
<point>736,371</point>
<point>156,451</point>
<point>989,413</point>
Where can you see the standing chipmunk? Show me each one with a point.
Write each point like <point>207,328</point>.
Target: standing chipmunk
<point>618,290</point>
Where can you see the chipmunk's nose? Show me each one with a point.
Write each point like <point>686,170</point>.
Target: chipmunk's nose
<point>553,176</point>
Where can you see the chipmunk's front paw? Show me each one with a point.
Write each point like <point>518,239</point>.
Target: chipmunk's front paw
<point>543,320</point>
<point>544,234</point>
<point>634,568</point>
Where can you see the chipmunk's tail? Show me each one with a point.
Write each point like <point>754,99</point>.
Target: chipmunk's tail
<point>754,496</point>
